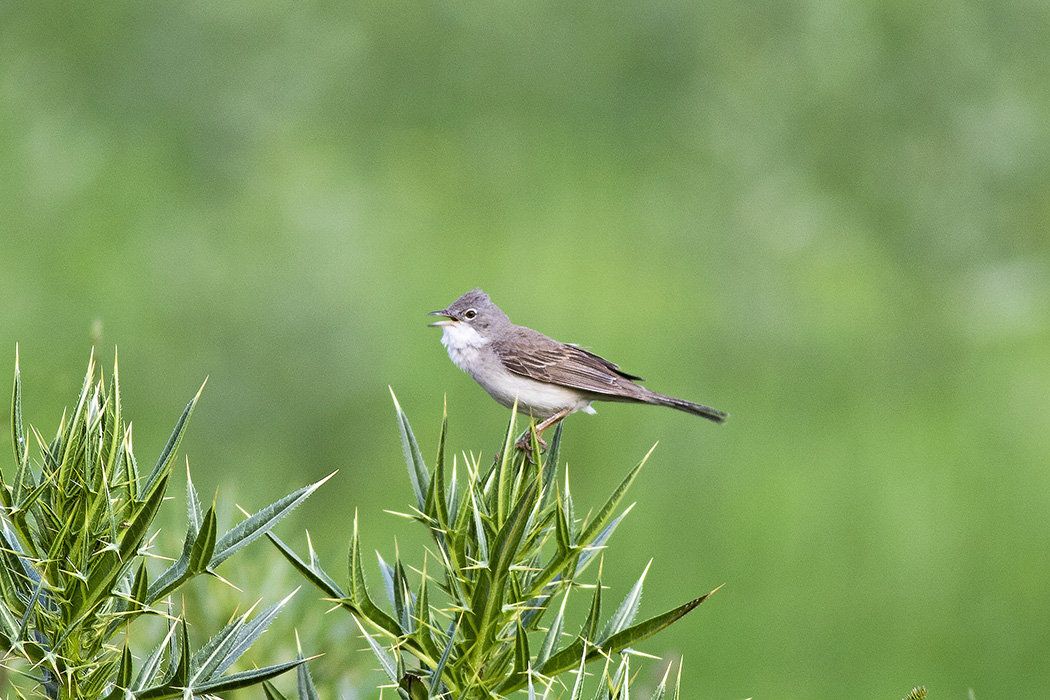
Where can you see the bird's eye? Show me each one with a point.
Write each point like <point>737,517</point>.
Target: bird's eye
<point>469,314</point>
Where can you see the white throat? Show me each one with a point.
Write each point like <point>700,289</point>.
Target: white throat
<point>463,344</point>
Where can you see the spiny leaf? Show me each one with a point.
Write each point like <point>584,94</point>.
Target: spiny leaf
<point>224,648</point>
<point>259,523</point>
<point>387,572</point>
<point>661,689</point>
<point>135,534</point>
<point>424,624</point>
<point>245,678</point>
<point>436,506</point>
<point>596,546</point>
<point>114,427</point>
<point>151,667</point>
<point>565,659</point>
<point>570,560</point>
<point>503,472</point>
<point>550,467</point>
<point>562,530</point>
<point>590,625</point>
<point>643,630</point>
<point>167,455</point>
<point>577,686</point>
<point>304,683</point>
<point>604,515</point>
<point>24,487</point>
<point>553,636</point>
<point>359,596</point>
<point>172,577</point>
<point>452,498</point>
<point>194,513</point>
<point>417,469</point>
<point>615,687</point>
<point>122,682</point>
<point>312,572</point>
<point>403,599</point>
<point>481,540</point>
<point>176,687</point>
<point>388,665</point>
<point>624,615</point>
<point>439,669</point>
<point>30,608</point>
<point>18,434</point>
<point>204,544</point>
<point>64,461</point>
<point>521,651</point>
<point>130,466</point>
<point>140,587</point>
<point>181,670</point>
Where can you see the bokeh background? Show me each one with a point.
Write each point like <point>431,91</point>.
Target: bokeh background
<point>828,218</point>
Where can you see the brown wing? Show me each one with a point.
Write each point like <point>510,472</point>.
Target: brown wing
<point>566,365</point>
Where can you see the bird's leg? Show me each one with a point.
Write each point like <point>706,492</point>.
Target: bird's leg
<point>552,420</point>
<point>524,443</point>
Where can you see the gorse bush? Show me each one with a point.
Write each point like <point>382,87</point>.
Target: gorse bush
<point>75,538</point>
<point>483,616</point>
<point>487,615</point>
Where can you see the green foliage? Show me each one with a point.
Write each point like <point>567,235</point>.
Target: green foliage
<point>74,539</point>
<point>305,689</point>
<point>509,551</point>
<point>831,217</point>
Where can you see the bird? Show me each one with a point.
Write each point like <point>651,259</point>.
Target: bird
<point>543,377</point>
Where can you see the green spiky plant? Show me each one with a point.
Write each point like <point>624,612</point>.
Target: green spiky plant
<point>508,552</point>
<point>74,539</point>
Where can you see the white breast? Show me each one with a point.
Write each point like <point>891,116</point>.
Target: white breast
<point>463,344</point>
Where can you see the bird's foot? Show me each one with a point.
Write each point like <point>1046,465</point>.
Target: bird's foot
<point>525,444</point>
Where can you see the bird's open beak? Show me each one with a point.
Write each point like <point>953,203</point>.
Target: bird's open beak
<point>449,318</point>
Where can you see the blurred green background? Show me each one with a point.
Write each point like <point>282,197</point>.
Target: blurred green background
<point>828,218</point>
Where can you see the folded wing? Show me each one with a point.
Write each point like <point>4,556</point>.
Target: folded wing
<point>570,366</point>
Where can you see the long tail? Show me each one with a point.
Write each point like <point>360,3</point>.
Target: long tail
<point>697,409</point>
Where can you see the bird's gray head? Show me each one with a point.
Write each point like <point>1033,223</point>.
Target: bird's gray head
<point>475,310</point>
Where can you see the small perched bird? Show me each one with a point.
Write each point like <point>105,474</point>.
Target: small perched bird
<point>548,379</point>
